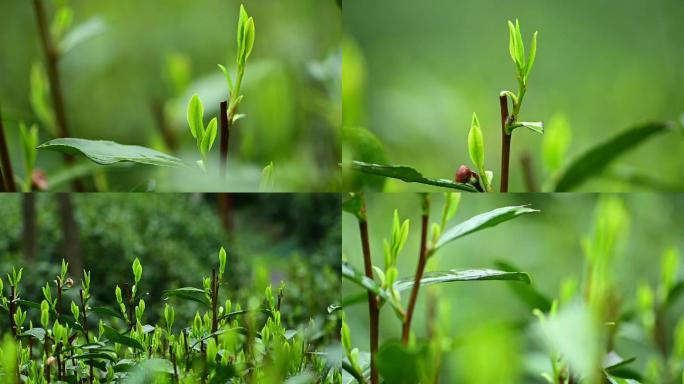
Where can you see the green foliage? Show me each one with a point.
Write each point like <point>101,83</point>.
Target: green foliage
<point>205,136</point>
<point>38,98</point>
<point>556,142</point>
<point>413,361</point>
<point>108,152</point>
<point>242,346</point>
<point>476,150</point>
<point>596,159</point>
<point>409,175</point>
<point>362,145</point>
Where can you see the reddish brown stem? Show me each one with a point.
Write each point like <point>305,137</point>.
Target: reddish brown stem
<point>6,169</point>
<point>12,310</point>
<point>52,64</point>
<point>505,143</point>
<point>372,300</point>
<point>420,269</point>
<point>225,136</point>
<point>59,299</point>
<point>214,303</point>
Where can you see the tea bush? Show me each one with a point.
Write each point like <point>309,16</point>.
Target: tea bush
<point>226,341</point>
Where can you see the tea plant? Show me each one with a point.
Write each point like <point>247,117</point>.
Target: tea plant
<point>585,327</point>
<point>410,360</point>
<point>225,342</point>
<point>58,38</point>
<point>566,174</point>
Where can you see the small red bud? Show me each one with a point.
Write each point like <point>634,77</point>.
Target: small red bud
<point>463,174</point>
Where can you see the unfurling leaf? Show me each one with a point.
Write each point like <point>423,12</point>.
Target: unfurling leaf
<point>532,57</point>
<point>476,144</point>
<point>222,261</point>
<point>196,117</point>
<point>209,137</point>
<point>229,79</point>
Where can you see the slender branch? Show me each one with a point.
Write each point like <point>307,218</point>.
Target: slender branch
<point>59,299</point>
<point>225,136</point>
<point>372,300</point>
<point>12,310</point>
<point>528,173</point>
<point>6,162</point>
<point>52,63</point>
<point>214,303</point>
<point>420,269</point>
<point>505,143</point>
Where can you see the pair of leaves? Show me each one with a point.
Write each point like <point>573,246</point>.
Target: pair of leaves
<point>516,48</point>
<point>407,174</point>
<point>245,36</point>
<point>205,136</point>
<point>108,152</point>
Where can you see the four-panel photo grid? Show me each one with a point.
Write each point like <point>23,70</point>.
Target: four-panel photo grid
<point>341,192</point>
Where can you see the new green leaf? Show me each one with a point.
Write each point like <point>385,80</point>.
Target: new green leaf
<point>482,221</point>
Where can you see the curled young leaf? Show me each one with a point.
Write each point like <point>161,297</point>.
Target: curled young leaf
<point>533,55</point>
<point>249,37</point>
<point>209,137</point>
<point>229,79</point>
<point>476,143</point>
<point>195,117</point>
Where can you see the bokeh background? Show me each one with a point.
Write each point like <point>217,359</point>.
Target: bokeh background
<point>269,239</point>
<point>152,56</point>
<point>493,331</point>
<point>415,73</point>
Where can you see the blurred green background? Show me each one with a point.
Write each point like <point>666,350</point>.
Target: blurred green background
<point>157,55</point>
<point>415,73</point>
<point>490,325</point>
<point>269,238</point>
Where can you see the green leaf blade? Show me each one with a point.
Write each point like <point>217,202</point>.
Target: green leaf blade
<point>109,152</point>
<point>407,174</point>
<point>454,275</point>
<point>597,158</point>
<point>114,336</point>
<point>482,221</point>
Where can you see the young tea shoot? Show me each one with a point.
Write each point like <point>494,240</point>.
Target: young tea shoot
<point>75,341</point>
<point>384,286</point>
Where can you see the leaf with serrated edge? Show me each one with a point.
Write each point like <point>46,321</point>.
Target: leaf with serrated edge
<point>482,221</point>
<point>452,275</point>
<point>108,152</point>
<point>406,174</point>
